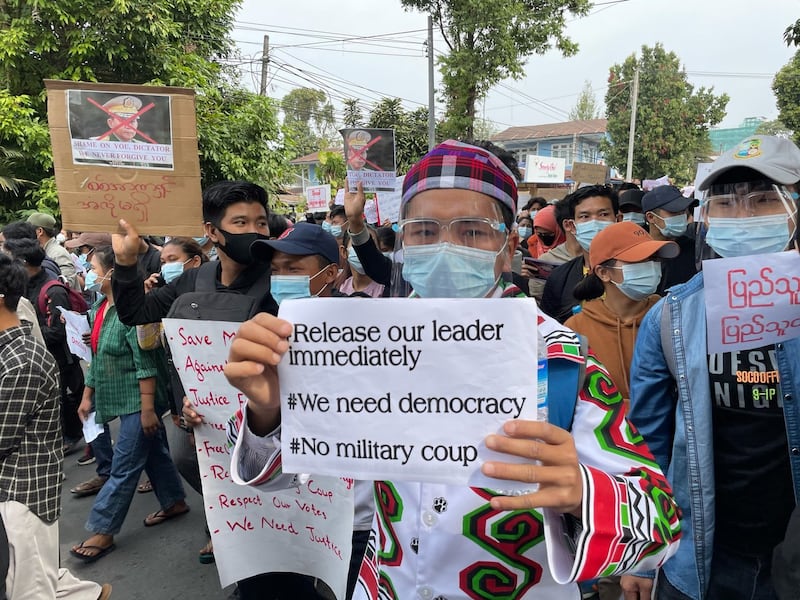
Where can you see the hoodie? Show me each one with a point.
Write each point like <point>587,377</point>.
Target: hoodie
<point>610,338</point>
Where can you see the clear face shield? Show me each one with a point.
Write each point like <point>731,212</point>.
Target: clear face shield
<point>746,218</point>
<point>452,244</point>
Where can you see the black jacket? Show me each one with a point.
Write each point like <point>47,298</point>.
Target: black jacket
<point>134,307</point>
<point>557,298</point>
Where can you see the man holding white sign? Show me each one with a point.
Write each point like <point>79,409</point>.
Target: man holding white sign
<point>725,426</point>
<point>595,510</point>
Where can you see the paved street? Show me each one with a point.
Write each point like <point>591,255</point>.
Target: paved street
<point>149,563</point>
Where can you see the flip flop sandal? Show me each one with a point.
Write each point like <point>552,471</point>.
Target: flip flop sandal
<point>93,557</point>
<point>206,556</point>
<point>145,487</point>
<point>159,517</point>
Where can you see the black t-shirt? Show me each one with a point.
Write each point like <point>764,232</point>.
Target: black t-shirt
<point>754,494</point>
<point>679,269</point>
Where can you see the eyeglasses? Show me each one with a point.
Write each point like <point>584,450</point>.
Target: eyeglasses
<point>472,232</point>
<point>757,198</point>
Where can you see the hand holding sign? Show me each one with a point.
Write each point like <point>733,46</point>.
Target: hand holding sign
<point>126,244</point>
<point>258,347</point>
<point>556,472</point>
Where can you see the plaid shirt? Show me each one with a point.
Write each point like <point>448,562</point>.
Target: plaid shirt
<point>31,449</point>
<point>117,367</point>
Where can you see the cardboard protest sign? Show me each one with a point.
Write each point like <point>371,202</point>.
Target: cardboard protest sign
<point>544,169</point>
<point>318,197</point>
<point>125,152</point>
<point>755,300</point>
<point>305,530</point>
<point>371,159</point>
<point>589,173</point>
<point>398,397</point>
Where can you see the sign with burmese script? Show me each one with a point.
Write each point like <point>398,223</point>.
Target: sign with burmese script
<point>410,397</point>
<point>755,300</point>
<point>305,530</point>
<point>125,152</point>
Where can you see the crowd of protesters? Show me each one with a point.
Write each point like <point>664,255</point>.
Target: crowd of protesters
<point>660,487</point>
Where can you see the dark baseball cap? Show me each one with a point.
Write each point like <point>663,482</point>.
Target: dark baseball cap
<point>88,238</point>
<point>304,239</point>
<point>631,198</point>
<point>667,197</point>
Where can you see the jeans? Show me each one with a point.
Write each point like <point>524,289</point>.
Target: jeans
<point>733,577</point>
<point>103,452</point>
<point>133,453</point>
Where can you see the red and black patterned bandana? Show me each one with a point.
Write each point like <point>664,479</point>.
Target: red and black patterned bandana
<point>455,165</point>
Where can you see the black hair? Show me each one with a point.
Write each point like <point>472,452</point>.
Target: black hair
<point>189,247</point>
<point>386,237</point>
<point>27,250</point>
<point>19,230</point>
<point>13,281</point>
<point>277,224</point>
<point>338,211</point>
<point>219,196</point>
<point>591,286</point>
<point>561,212</point>
<point>105,256</point>
<point>542,202</point>
<point>589,191</point>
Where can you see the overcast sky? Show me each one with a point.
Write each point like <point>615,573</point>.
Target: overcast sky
<point>733,45</point>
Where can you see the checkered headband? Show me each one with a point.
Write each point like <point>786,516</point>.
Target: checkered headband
<point>455,165</point>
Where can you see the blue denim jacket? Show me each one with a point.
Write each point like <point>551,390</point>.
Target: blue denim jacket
<point>681,439</point>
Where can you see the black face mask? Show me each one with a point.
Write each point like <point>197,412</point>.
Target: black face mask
<point>237,245</point>
<point>547,238</point>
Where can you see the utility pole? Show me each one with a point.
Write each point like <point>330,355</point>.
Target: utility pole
<point>632,130</point>
<point>264,63</point>
<point>431,104</point>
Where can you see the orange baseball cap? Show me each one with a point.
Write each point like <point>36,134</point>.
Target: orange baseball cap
<point>628,242</point>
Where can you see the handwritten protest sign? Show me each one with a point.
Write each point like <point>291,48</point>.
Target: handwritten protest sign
<point>318,197</point>
<point>371,159</point>
<point>408,397</point>
<point>125,152</point>
<point>76,325</point>
<point>305,530</point>
<point>752,301</point>
<point>545,169</point>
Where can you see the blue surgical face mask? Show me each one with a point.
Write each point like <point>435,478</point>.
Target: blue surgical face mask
<point>336,231</point>
<point>673,226</point>
<point>172,270</point>
<point>326,226</point>
<point>749,235</point>
<point>585,231</point>
<point>289,287</point>
<point>93,283</point>
<point>446,270</point>
<point>201,241</point>
<point>525,232</point>
<point>639,280</point>
<point>389,255</point>
<point>355,262</point>
<point>634,217</point>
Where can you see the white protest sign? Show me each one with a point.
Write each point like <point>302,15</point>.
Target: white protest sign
<point>752,301</point>
<point>339,200</point>
<point>305,530</point>
<point>318,197</point>
<point>390,202</point>
<point>371,213</point>
<point>405,388</point>
<point>76,325</point>
<point>545,169</point>
<point>91,429</point>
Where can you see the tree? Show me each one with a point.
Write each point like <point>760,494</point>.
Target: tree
<point>786,87</point>
<point>672,119</point>
<point>352,117</point>
<point>586,107</point>
<point>792,34</point>
<point>774,127</point>
<point>410,130</point>
<point>488,41</point>
<point>332,168</point>
<point>309,117</point>
<point>160,42</point>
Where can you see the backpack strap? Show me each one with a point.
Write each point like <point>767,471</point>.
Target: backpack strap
<point>43,299</point>
<point>207,277</point>
<point>562,398</point>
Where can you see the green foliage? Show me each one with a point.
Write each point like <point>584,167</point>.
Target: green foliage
<point>672,119</point>
<point>792,34</point>
<point>410,130</point>
<point>786,86</point>
<point>586,106</point>
<point>159,42</point>
<point>488,41</point>
<point>332,168</point>
<point>309,119</point>
<point>774,127</point>
<point>353,116</point>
